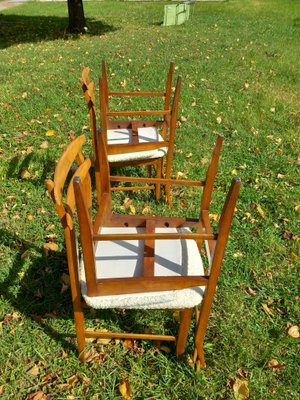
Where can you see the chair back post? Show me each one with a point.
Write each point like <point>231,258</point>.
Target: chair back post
<point>172,129</point>
<point>167,106</point>
<point>103,107</point>
<point>65,212</point>
<point>105,81</point>
<point>89,94</point>
<point>86,236</point>
<point>217,258</point>
<point>211,174</point>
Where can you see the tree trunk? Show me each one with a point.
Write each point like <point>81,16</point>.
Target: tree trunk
<point>77,22</point>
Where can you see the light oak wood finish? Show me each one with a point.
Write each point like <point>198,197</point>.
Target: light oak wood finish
<point>167,127</point>
<point>79,190</point>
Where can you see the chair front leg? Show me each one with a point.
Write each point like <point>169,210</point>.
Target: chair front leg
<point>185,322</point>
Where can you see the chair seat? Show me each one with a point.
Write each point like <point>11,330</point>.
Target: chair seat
<point>145,135</point>
<point>125,259</point>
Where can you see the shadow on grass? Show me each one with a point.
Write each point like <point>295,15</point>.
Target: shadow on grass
<point>37,295</point>
<point>15,29</point>
<point>36,292</point>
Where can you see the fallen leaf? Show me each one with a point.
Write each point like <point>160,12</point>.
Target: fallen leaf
<point>250,291</point>
<point>246,85</point>
<point>242,373</point>
<point>128,343</point>
<point>183,119</point>
<point>181,175</point>
<point>1,389</point>
<point>25,254</point>
<point>274,364</point>
<point>267,309</point>
<point>34,371</point>
<point>240,389</point>
<point>51,246</point>
<point>293,331</point>
<point>219,120</point>
<point>260,211</point>
<point>44,145</point>
<point>272,109</point>
<point>189,155</point>
<point>297,208</point>
<point>214,217</point>
<point>146,210</point>
<point>50,227</point>
<point>24,95</point>
<point>51,132</point>
<point>37,396</point>
<point>30,217</point>
<point>234,172</point>
<point>25,174</point>
<point>165,348</point>
<point>125,390</point>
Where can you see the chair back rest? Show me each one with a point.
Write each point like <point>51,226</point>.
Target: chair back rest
<point>63,198</point>
<point>89,94</point>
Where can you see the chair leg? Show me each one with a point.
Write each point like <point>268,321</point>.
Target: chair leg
<point>79,327</point>
<point>168,187</point>
<point>158,175</point>
<point>185,321</point>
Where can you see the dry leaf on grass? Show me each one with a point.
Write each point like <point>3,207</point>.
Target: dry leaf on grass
<point>267,309</point>
<point>293,331</point>
<point>51,246</point>
<point>34,371</point>
<point>25,174</point>
<point>250,291</point>
<point>125,390</point>
<point>44,145</point>
<point>274,364</point>
<point>240,389</point>
<point>51,132</point>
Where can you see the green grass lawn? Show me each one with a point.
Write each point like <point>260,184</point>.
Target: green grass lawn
<point>240,66</point>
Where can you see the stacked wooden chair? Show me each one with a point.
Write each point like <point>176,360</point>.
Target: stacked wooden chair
<point>139,262</point>
<point>133,139</point>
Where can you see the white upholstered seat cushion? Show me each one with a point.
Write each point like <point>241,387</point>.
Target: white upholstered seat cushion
<point>146,135</point>
<point>125,259</point>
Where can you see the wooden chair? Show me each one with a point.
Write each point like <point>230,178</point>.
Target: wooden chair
<point>136,261</point>
<point>135,142</point>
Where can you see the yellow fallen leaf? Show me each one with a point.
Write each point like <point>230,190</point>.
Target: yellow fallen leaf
<point>246,85</point>
<point>24,95</point>
<point>293,332</point>
<point>234,172</point>
<point>34,371</point>
<point>25,174</point>
<point>260,211</point>
<point>267,309</point>
<point>51,132</point>
<point>189,155</point>
<point>219,120</point>
<point>180,175</point>
<point>21,274</point>
<point>51,246</point>
<point>240,389</point>
<point>183,118</point>
<point>214,217</point>
<point>30,217</point>
<point>125,390</point>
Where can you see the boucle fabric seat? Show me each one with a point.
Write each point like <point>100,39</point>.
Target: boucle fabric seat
<point>145,135</point>
<point>125,259</point>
